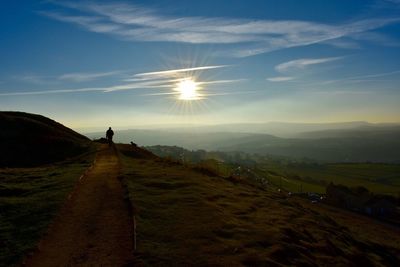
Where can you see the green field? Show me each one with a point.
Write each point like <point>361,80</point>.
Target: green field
<point>29,200</point>
<point>377,178</point>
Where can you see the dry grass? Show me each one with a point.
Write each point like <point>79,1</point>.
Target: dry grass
<point>188,218</point>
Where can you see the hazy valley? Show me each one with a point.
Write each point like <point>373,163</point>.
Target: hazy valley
<point>340,142</point>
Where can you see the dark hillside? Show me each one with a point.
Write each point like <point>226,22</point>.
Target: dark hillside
<point>30,139</point>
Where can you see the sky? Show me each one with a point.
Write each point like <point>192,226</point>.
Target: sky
<point>94,64</point>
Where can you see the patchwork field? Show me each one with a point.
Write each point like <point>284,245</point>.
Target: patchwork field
<point>377,178</point>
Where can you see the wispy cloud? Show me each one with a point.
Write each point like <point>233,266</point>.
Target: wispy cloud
<point>222,81</point>
<point>345,43</point>
<point>376,75</point>
<point>294,66</point>
<point>302,63</point>
<point>84,77</point>
<point>363,78</point>
<point>45,92</point>
<point>165,79</point>
<point>70,77</point>
<point>136,23</point>
<point>280,79</point>
<point>176,71</point>
<point>34,79</point>
<point>129,86</point>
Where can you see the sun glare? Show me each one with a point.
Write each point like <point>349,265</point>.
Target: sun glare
<point>187,89</point>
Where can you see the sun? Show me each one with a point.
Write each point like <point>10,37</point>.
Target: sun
<point>187,89</point>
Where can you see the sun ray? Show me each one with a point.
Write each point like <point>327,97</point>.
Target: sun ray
<point>188,89</point>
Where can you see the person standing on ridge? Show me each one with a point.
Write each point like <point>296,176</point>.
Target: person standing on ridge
<point>109,136</point>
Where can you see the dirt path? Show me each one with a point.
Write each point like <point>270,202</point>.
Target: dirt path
<point>94,228</point>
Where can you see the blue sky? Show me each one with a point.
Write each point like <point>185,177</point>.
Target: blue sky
<point>95,63</point>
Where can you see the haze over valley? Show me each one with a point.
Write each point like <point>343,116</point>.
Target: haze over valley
<point>333,142</point>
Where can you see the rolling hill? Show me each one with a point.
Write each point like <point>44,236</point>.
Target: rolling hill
<point>379,132</point>
<point>279,129</point>
<point>356,144</point>
<point>30,139</point>
<point>359,148</point>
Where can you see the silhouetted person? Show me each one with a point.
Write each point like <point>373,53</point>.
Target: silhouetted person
<point>109,135</point>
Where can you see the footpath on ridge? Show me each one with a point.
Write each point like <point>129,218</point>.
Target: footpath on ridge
<point>94,228</point>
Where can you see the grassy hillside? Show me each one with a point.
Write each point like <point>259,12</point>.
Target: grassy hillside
<point>30,139</point>
<point>292,175</point>
<point>31,195</point>
<point>29,200</point>
<point>186,218</point>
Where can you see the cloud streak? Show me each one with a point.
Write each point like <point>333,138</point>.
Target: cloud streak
<point>45,92</point>
<point>136,23</point>
<point>84,77</point>
<point>302,63</point>
<point>296,65</point>
<point>114,88</point>
<point>165,79</point>
<point>280,79</point>
<point>364,78</point>
<point>69,77</point>
<point>34,79</point>
<point>177,71</point>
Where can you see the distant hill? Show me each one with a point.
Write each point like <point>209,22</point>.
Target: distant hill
<point>279,129</point>
<point>30,139</point>
<point>189,140</point>
<point>361,144</point>
<point>374,143</point>
<point>366,131</point>
<point>356,149</point>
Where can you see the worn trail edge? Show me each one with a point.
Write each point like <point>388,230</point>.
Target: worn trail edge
<point>94,228</point>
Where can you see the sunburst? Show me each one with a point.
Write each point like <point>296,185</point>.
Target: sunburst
<point>188,89</point>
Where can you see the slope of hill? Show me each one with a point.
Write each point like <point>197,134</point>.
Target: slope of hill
<point>186,218</point>
<point>30,139</point>
<point>299,175</point>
